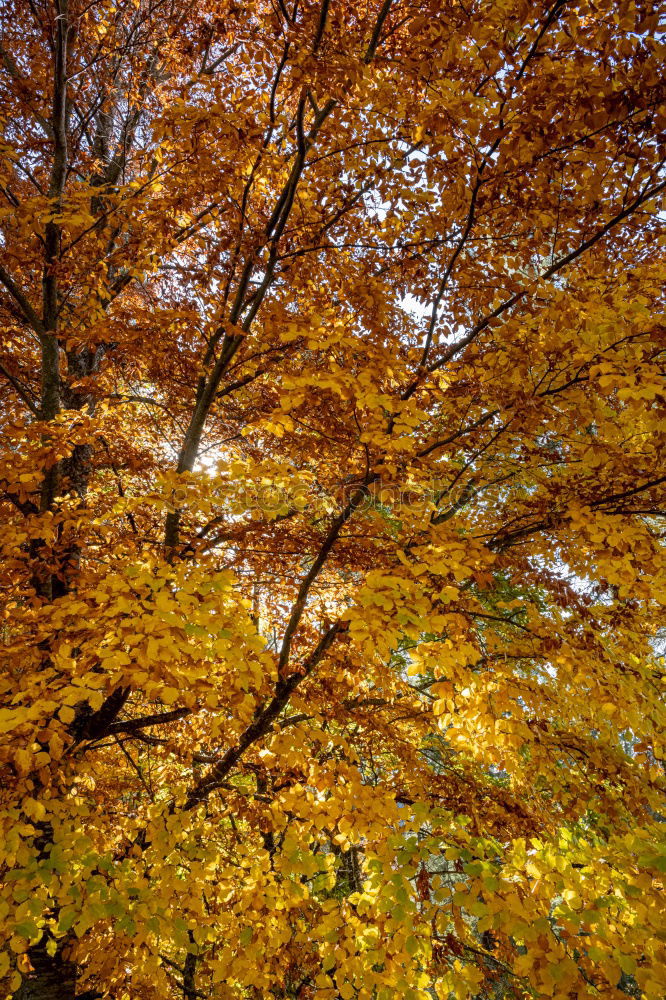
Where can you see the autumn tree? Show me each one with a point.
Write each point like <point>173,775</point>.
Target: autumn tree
<point>331,478</point>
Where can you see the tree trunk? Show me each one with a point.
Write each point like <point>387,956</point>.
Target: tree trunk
<point>52,977</point>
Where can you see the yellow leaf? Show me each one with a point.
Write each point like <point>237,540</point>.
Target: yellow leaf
<point>23,760</point>
<point>34,809</point>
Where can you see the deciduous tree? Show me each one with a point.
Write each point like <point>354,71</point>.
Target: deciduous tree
<point>331,477</point>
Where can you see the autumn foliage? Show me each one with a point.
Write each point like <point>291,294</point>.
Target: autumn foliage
<point>332,491</point>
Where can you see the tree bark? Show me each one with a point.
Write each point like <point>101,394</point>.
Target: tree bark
<point>52,976</point>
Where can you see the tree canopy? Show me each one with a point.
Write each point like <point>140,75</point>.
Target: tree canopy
<point>331,479</point>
